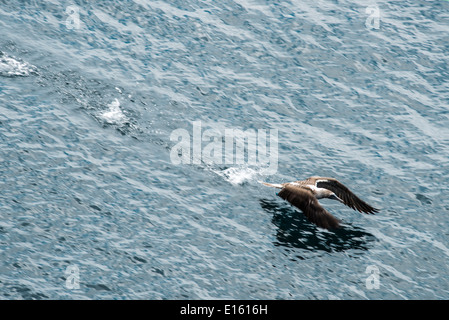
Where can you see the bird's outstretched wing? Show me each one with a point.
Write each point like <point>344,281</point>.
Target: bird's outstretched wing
<point>304,199</point>
<point>349,198</point>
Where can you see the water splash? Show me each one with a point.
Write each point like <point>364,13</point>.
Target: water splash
<point>238,175</point>
<point>114,115</point>
<point>11,67</point>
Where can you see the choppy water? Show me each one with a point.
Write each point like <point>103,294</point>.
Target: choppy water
<point>87,108</point>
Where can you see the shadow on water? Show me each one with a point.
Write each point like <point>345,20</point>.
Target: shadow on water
<point>294,230</point>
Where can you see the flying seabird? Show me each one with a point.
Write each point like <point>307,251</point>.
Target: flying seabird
<point>305,194</point>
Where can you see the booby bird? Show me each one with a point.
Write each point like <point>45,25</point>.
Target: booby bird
<point>304,195</point>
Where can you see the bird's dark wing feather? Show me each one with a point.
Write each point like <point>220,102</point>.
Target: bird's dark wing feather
<point>349,198</point>
<point>304,199</point>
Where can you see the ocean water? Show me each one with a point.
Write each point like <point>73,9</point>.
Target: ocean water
<point>95,205</point>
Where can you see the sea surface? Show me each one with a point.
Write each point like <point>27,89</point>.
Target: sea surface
<point>95,204</point>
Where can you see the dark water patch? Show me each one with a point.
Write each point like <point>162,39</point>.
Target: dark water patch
<point>423,199</point>
<point>137,259</point>
<point>294,230</point>
<point>25,293</point>
<point>98,287</point>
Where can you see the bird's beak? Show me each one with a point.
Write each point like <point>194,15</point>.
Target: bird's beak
<point>334,197</point>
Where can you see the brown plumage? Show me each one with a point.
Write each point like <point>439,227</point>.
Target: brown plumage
<point>305,194</point>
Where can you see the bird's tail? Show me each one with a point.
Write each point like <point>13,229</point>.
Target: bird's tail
<point>274,185</point>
